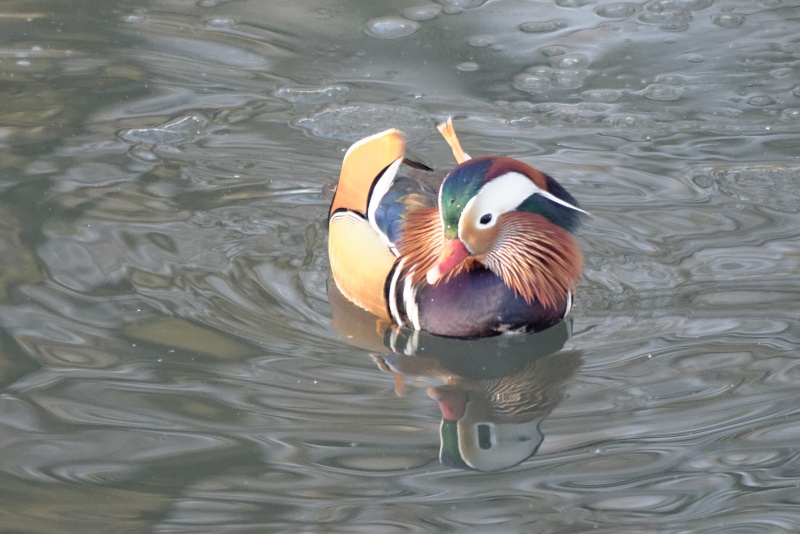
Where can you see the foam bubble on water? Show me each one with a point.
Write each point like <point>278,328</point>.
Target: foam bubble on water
<point>622,10</point>
<point>791,114</point>
<point>133,18</point>
<point>573,3</point>
<point>537,79</point>
<point>568,79</point>
<point>311,95</point>
<point>728,20</point>
<point>144,153</point>
<point>420,13</point>
<point>468,66</point>
<point>657,91</point>
<point>569,61</point>
<point>480,41</point>
<point>452,10</point>
<point>781,73</point>
<point>543,26</point>
<point>324,14</point>
<point>670,79</point>
<point>579,114</point>
<point>601,95</point>
<point>356,121</point>
<point>530,83</point>
<point>461,4</point>
<point>551,51</point>
<point>522,105</point>
<point>796,91</point>
<point>220,22</point>
<point>775,186</point>
<point>176,131</point>
<point>760,100</point>
<point>791,48</point>
<point>672,15</point>
<point>671,20</point>
<point>624,120</point>
<point>390,27</point>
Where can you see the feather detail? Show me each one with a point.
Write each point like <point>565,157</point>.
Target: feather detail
<point>362,166</point>
<point>421,242</point>
<point>536,258</point>
<point>449,133</point>
<point>360,261</point>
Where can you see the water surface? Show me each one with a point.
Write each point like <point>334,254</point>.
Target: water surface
<point>171,360</point>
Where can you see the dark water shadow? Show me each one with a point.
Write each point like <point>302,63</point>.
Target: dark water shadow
<point>495,392</point>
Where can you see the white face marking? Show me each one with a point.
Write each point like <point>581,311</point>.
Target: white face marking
<point>501,195</point>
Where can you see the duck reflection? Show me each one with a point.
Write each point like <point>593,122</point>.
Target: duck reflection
<point>495,392</point>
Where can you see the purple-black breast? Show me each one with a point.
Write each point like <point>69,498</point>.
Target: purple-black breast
<point>477,303</point>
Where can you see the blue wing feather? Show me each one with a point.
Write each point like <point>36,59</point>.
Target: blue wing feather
<point>407,193</point>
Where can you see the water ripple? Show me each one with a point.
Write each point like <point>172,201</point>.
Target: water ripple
<point>168,348</point>
<point>356,121</point>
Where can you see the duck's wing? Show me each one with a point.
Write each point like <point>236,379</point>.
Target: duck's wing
<point>364,167</point>
<point>411,190</point>
<point>374,193</point>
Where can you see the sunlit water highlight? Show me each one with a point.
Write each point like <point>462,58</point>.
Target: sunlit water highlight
<point>171,359</point>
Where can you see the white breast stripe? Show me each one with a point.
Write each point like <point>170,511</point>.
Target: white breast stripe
<point>391,297</point>
<point>409,296</point>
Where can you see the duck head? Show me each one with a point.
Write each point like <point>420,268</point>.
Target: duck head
<point>512,219</point>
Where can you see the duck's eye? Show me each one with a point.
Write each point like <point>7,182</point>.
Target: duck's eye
<point>486,219</point>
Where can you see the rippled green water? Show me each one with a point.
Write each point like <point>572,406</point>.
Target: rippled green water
<point>170,360</point>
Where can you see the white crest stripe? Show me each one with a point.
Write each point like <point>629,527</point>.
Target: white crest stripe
<point>503,194</point>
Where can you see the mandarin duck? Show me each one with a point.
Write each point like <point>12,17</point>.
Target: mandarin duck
<point>494,392</point>
<point>492,252</point>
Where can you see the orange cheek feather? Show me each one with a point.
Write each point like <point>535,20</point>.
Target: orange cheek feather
<point>453,253</point>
